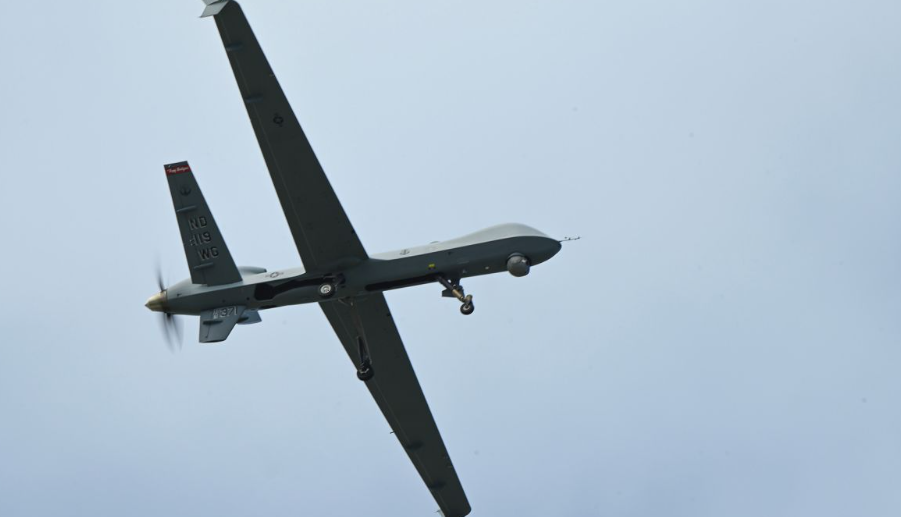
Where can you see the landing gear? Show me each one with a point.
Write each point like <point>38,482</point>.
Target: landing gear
<point>327,290</point>
<point>455,290</point>
<point>364,371</point>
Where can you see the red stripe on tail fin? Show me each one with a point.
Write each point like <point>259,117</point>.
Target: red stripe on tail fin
<point>177,168</point>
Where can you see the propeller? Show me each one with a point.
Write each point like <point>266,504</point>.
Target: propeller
<point>172,329</point>
<point>170,324</point>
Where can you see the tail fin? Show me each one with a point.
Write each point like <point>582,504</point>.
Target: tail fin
<point>208,257</point>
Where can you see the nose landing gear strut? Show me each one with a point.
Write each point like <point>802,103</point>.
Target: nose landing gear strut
<point>453,289</point>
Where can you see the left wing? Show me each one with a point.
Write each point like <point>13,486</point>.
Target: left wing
<point>398,394</point>
<point>322,232</point>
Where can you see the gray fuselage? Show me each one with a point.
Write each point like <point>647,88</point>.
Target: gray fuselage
<point>480,253</point>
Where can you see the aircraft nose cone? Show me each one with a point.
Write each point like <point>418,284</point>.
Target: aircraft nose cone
<point>554,246</point>
<point>157,302</point>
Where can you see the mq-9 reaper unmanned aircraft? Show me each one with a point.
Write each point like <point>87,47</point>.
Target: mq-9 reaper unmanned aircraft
<point>337,272</point>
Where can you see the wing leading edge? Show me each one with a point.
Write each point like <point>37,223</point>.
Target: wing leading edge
<point>322,232</point>
<point>396,390</point>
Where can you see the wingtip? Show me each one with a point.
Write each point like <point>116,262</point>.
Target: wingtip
<point>213,7</point>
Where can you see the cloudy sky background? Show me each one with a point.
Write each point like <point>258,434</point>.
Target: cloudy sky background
<point>724,340</point>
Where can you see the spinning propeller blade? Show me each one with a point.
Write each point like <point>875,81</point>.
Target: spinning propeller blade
<point>172,330</point>
<point>170,324</point>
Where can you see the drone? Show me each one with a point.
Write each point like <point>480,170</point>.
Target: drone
<point>338,273</point>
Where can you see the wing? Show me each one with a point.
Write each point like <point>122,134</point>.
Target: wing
<point>398,394</point>
<point>322,232</point>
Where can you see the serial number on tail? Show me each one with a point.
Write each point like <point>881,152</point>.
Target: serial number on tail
<point>224,312</point>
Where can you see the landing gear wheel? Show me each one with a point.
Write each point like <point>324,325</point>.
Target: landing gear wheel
<point>365,373</point>
<point>452,289</point>
<point>326,290</point>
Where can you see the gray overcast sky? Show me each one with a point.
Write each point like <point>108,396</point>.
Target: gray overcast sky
<point>724,340</point>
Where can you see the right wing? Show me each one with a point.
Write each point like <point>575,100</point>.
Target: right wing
<point>398,394</point>
<point>322,232</point>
